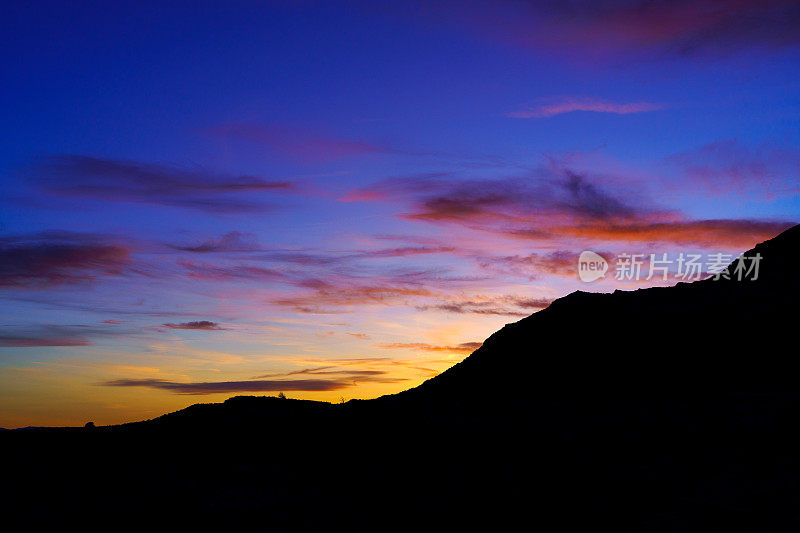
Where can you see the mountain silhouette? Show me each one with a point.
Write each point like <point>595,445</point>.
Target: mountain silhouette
<point>659,409</point>
<point>710,334</point>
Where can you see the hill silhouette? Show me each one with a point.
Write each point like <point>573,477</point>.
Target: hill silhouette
<point>710,334</point>
<point>660,409</point>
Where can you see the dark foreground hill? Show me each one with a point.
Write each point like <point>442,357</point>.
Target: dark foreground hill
<point>668,409</point>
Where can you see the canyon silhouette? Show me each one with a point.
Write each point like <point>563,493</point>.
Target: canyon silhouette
<point>659,409</point>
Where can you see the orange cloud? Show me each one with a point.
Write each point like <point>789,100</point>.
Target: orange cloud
<point>720,233</point>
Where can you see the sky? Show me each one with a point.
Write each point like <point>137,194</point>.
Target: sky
<point>339,200</point>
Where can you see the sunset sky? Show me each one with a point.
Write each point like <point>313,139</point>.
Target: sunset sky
<point>340,200</point>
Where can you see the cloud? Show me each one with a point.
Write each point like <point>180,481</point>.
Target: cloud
<point>322,259</point>
<point>328,290</point>
<point>726,233</point>
<point>215,387</point>
<point>382,361</point>
<point>334,379</point>
<point>556,203</point>
<point>229,273</point>
<point>297,142</point>
<point>732,167</point>
<point>82,176</point>
<point>377,376</point>
<point>508,305</point>
<point>58,258</point>
<point>233,241</point>
<point>326,283</point>
<point>32,336</point>
<point>18,341</point>
<point>198,324</point>
<point>555,191</point>
<point>569,105</point>
<point>305,258</point>
<point>559,262</point>
<point>587,29</point>
<point>464,347</point>
<point>327,295</point>
<point>404,251</point>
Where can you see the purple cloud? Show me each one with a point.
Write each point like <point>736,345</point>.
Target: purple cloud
<point>233,241</point>
<point>53,335</point>
<point>81,176</point>
<point>58,258</point>
<point>18,341</point>
<point>215,387</point>
<point>569,105</point>
<point>559,192</point>
<point>205,325</point>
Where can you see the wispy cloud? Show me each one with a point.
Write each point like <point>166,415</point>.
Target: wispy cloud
<point>731,167</point>
<point>233,241</point>
<point>354,375</point>
<point>21,341</point>
<point>215,387</point>
<point>507,305</point>
<point>328,297</point>
<point>404,251</point>
<point>229,272</point>
<point>304,143</point>
<point>205,325</point>
<point>53,335</point>
<point>464,347</point>
<point>531,266</point>
<point>81,176</point>
<point>572,104</point>
<point>320,379</point>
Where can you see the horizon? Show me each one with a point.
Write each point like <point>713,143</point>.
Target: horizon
<point>339,201</point>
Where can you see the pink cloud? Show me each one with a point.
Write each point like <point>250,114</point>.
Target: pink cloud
<point>561,203</point>
<point>362,196</point>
